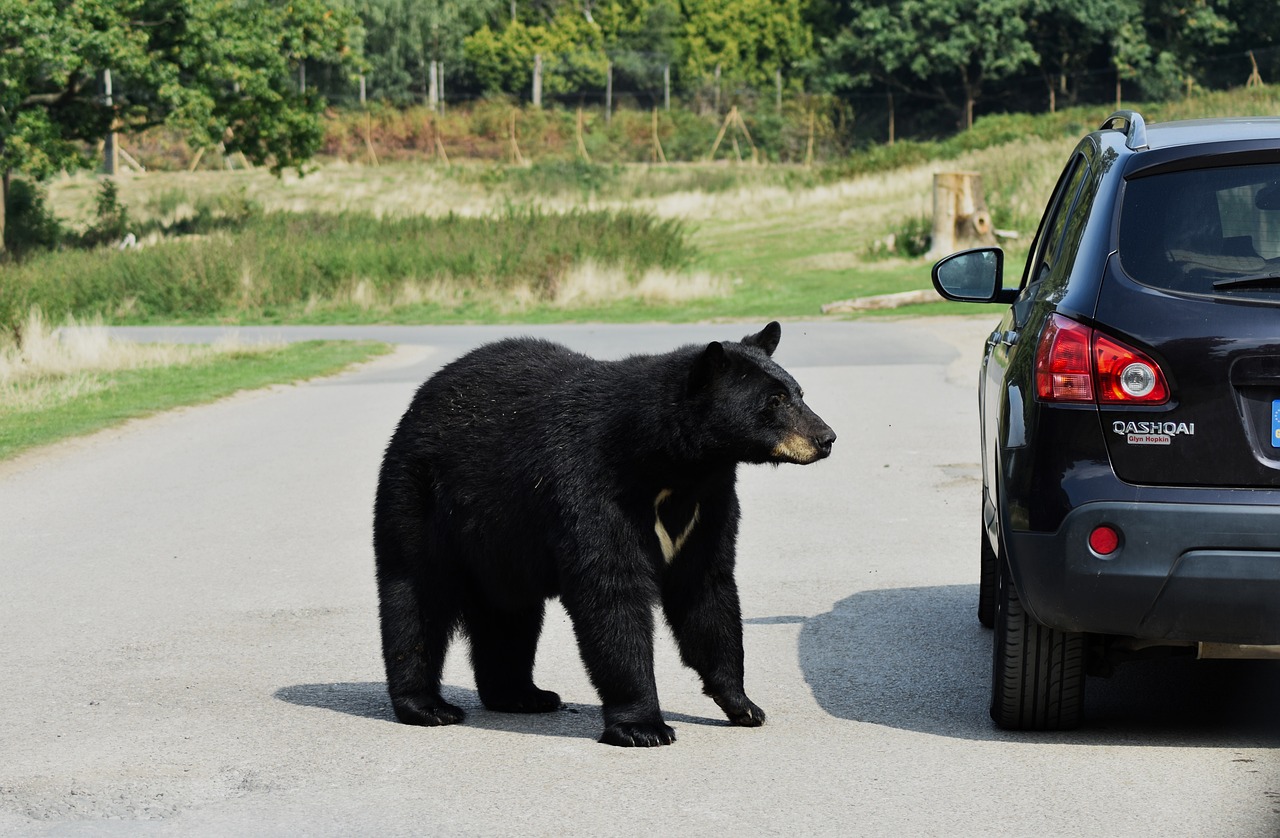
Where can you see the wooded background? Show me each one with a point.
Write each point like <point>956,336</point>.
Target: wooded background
<point>934,64</point>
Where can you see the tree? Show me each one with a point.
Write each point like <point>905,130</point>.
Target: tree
<point>572,48</point>
<point>943,50</point>
<point>1068,35</point>
<point>224,70</point>
<point>1180,32</point>
<point>749,40</point>
<point>641,38</point>
<point>405,36</point>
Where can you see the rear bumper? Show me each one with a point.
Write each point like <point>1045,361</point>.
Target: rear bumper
<point>1182,572</point>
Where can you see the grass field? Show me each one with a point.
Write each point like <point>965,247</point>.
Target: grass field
<point>57,384</point>
<point>765,247</point>
<point>555,241</point>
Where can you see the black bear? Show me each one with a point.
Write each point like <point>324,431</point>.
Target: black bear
<point>524,470</point>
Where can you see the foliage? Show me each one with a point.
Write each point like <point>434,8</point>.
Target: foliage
<point>403,37</point>
<point>1067,35</point>
<point>926,46</point>
<point>224,70</point>
<point>909,239</point>
<point>280,261</point>
<point>31,226</point>
<point>111,222</point>
<point>572,50</point>
<point>749,40</point>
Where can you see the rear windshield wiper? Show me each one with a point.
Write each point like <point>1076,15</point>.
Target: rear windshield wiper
<point>1258,281</point>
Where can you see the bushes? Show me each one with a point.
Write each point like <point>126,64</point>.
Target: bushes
<point>282,261</point>
<point>29,224</point>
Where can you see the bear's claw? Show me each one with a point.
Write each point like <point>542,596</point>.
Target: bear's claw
<point>638,735</point>
<point>743,712</point>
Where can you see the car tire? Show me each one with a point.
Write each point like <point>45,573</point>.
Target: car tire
<point>1038,673</point>
<point>990,564</point>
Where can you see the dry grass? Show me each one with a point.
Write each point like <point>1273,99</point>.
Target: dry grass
<point>582,286</point>
<point>47,366</point>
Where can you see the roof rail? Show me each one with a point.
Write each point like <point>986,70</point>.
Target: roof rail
<point>1135,135</point>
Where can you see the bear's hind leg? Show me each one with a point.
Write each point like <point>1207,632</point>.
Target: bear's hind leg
<point>414,641</point>
<point>503,645</point>
<point>417,602</point>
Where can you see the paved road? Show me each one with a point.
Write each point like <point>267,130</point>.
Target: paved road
<point>188,640</point>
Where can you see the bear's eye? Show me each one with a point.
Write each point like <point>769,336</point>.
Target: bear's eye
<point>777,400</point>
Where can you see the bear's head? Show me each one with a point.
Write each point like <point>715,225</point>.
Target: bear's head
<point>751,409</point>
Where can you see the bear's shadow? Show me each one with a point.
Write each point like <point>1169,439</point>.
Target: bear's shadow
<point>368,700</point>
<point>917,659</point>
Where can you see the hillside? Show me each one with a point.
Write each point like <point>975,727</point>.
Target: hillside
<point>776,240</point>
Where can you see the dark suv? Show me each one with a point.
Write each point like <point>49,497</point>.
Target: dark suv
<point>1130,409</point>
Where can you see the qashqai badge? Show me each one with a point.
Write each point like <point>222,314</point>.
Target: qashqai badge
<point>1157,433</point>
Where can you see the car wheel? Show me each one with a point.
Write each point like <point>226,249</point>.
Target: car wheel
<point>987,581</point>
<point>1038,673</point>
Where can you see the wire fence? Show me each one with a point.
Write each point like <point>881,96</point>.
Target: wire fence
<point>644,112</point>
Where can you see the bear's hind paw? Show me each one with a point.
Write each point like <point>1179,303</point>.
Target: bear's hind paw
<point>428,713</point>
<point>638,735</point>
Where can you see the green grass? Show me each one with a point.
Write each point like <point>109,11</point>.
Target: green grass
<point>285,265</point>
<point>131,394</point>
<point>358,244</point>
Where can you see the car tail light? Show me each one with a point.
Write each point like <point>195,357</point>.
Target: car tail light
<point>1125,375</point>
<point>1075,363</point>
<point>1063,371</point>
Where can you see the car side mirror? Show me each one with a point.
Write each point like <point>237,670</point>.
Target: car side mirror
<point>973,276</point>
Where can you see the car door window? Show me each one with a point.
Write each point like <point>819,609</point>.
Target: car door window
<point>1053,233</point>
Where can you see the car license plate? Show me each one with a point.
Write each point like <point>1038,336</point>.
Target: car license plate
<point>1275,423</point>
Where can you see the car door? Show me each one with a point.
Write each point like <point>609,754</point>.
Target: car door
<point>1003,397</point>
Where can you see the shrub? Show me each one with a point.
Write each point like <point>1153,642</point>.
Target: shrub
<point>29,224</point>
<point>111,218</point>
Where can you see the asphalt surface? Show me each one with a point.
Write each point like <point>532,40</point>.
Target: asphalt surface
<point>189,643</point>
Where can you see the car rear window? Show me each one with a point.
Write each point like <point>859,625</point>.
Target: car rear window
<point>1204,231</point>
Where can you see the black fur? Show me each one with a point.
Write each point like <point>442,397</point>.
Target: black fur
<point>524,471</point>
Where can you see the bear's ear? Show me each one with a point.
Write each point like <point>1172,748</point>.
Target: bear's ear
<point>710,363</point>
<point>767,339</point>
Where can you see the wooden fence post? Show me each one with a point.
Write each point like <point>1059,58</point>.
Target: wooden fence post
<point>808,154</point>
<point>1255,78</point>
<point>582,146</point>
<point>537,80</point>
<point>516,156</point>
<point>657,155</point>
<point>608,92</point>
<point>111,157</point>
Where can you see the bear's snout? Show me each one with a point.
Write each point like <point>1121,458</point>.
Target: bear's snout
<point>807,446</point>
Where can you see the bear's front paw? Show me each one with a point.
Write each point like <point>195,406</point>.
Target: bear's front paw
<point>429,712</point>
<point>742,711</point>
<point>638,735</point>
<point>532,700</point>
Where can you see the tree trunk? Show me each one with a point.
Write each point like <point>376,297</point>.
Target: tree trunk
<point>4,202</point>
<point>960,216</point>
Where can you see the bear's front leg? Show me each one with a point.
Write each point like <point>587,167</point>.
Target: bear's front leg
<point>700,600</point>
<point>613,620</point>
